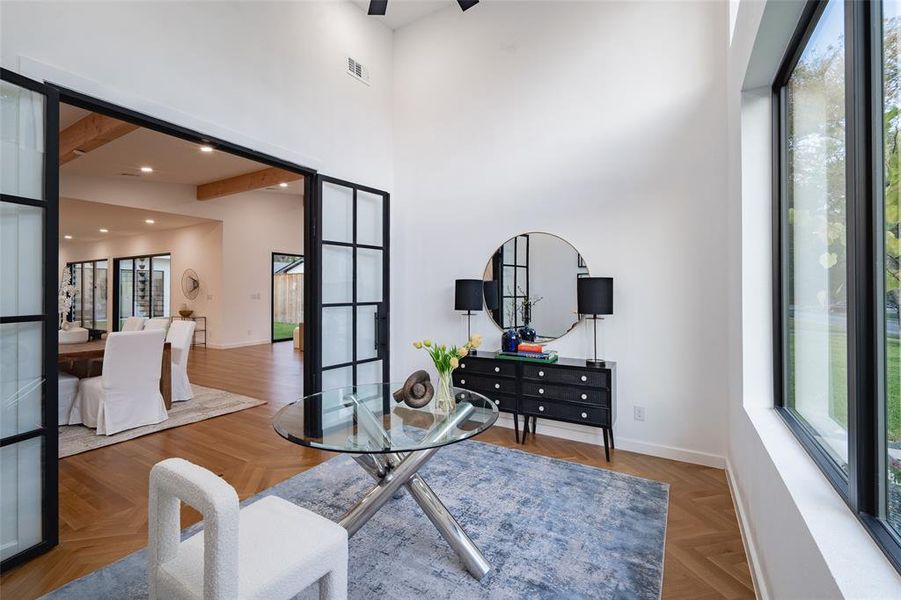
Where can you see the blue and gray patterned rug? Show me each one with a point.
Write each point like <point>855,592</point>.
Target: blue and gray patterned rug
<point>550,528</point>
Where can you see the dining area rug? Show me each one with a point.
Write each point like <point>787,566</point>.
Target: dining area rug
<point>206,404</point>
<point>550,529</point>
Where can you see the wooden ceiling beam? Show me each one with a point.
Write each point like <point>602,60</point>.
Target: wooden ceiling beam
<point>245,183</point>
<point>90,133</point>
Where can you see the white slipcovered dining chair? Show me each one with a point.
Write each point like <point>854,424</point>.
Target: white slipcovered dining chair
<point>133,324</point>
<point>271,549</point>
<point>128,394</point>
<point>157,323</point>
<point>68,388</point>
<point>181,336</point>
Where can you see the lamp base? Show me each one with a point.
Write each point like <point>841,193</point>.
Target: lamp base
<point>595,363</point>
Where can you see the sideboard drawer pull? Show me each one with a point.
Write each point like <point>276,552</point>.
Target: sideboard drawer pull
<point>541,373</point>
<point>462,382</point>
<point>497,369</point>
<point>584,415</point>
<point>584,378</point>
<point>498,402</point>
<point>584,396</point>
<point>541,391</point>
<point>540,408</point>
<point>497,386</point>
<point>462,365</point>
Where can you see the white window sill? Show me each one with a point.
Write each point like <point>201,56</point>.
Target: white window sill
<point>857,564</point>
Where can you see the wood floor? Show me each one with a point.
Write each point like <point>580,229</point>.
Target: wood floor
<point>103,493</point>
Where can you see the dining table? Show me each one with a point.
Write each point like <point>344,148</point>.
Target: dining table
<point>94,349</point>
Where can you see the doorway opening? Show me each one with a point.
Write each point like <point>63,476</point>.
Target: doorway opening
<point>287,297</point>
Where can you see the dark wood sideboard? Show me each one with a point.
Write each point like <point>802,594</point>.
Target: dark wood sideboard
<point>568,390</point>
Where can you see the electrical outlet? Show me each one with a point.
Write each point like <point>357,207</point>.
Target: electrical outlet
<point>638,413</point>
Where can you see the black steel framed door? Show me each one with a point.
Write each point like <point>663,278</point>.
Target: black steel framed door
<point>29,313</point>
<point>348,277</point>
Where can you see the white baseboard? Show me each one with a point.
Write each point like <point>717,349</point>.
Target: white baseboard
<point>238,344</point>
<point>592,435</point>
<point>747,538</point>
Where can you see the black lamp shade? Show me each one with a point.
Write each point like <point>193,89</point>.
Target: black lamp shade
<point>491,294</point>
<point>594,295</point>
<point>468,294</point>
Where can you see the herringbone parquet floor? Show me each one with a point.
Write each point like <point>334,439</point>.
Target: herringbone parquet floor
<point>103,493</point>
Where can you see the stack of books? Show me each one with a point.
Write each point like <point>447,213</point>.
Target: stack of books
<point>530,352</point>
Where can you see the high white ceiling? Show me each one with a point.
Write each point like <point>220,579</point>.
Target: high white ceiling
<point>83,220</point>
<point>173,160</point>
<point>404,12</point>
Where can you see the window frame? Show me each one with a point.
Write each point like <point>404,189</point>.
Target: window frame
<point>93,264</point>
<point>863,488</point>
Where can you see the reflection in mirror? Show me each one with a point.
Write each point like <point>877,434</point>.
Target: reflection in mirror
<point>534,276</point>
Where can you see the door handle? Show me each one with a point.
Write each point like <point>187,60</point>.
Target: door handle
<point>375,321</point>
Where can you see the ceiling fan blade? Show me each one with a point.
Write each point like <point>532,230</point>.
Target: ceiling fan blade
<point>466,4</point>
<point>378,7</point>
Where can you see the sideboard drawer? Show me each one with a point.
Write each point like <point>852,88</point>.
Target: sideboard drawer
<point>587,377</point>
<point>484,384</point>
<point>503,403</point>
<point>570,412</point>
<point>486,366</point>
<point>599,396</point>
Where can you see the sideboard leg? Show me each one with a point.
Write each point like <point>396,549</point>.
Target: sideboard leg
<point>606,446</point>
<point>516,426</point>
<point>534,424</point>
<point>612,445</point>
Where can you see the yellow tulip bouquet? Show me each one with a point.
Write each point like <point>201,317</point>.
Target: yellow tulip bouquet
<point>446,359</point>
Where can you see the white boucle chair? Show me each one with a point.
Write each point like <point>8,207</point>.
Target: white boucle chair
<point>181,336</point>
<point>127,395</point>
<point>271,549</point>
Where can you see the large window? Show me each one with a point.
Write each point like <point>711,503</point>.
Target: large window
<point>142,287</point>
<point>89,304</point>
<point>838,357</point>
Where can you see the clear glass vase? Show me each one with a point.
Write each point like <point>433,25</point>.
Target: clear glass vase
<point>444,395</point>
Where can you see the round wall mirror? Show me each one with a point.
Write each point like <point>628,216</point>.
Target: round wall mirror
<point>530,285</point>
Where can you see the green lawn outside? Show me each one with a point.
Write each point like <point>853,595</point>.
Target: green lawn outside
<point>283,331</point>
<point>838,374</point>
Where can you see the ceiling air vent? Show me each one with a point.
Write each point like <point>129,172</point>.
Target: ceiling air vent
<point>357,71</point>
<point>129,174</point>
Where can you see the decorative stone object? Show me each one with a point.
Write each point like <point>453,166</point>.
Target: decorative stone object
<point>417,390</point>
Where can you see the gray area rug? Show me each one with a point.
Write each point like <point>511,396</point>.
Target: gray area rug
<point>206,404</point>
<point>550,528</point>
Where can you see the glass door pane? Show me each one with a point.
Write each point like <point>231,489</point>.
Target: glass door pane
<point>101,282</point>
<point>30,311</point>
<point>351,328</point>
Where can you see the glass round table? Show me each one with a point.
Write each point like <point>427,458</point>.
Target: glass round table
<point>391,441</point>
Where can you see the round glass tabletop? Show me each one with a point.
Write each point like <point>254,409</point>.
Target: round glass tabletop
<point>367,420</point>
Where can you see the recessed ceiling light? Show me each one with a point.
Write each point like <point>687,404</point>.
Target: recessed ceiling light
<point>283,185</point>
<point>68,237</point>
<point>146,169</point>
<point>206,148</point>
<point>149,221</point>
<point>104,230</point>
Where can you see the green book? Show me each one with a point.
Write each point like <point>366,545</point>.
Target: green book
<point>528,357</point>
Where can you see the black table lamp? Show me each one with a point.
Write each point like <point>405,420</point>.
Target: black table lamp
<point>468,297</point>
<point>594,296</point>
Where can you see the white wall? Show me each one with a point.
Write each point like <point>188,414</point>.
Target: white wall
<point>254,224</point>
<point>601,123</point>
<point>198,247</point>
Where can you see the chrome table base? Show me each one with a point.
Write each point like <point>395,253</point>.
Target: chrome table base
<point>394,472</point>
